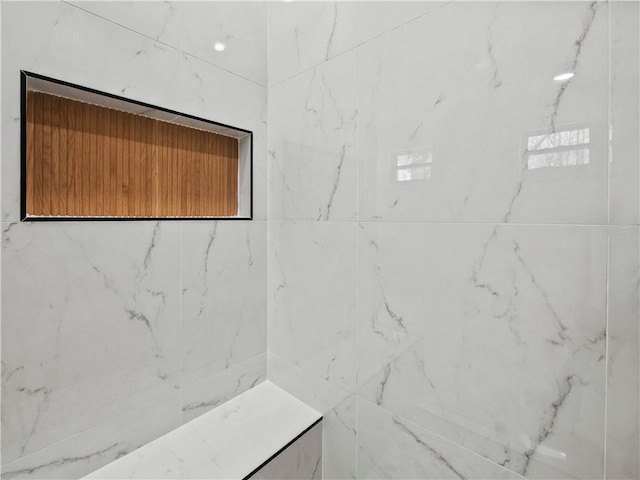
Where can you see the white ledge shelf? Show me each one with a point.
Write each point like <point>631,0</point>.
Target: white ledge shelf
<point>231,441</point>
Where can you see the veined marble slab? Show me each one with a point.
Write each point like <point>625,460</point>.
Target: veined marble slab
<point>230,441</point>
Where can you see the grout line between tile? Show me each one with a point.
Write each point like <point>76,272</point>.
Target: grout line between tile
<point>606,355</point>
<point>67,2</point>
<point>609,119</point>
<point>268,230</point>
<point>449,441</point>
<point>432,223</point>
<point>608,254</point>
<point>181,337</point>
<point>358,270</point>
<point>279,82</point>
<point>81,432</point>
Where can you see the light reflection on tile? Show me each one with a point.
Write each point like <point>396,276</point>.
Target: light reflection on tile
<point>474,112</point>
<point>414,164</point>
<point>558,148</point>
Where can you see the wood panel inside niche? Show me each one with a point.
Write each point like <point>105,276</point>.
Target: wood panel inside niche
<point>85,160</point>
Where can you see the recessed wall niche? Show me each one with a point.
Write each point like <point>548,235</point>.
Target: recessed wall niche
<point>89,155</point>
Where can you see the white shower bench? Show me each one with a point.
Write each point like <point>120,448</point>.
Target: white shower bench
<point>232,441</point>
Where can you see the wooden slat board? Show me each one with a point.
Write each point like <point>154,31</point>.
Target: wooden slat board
<point>89,161</point>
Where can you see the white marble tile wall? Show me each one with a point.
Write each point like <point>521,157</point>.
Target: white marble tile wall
<point>312,277</point>
<point>312,327</point>
<point>492,336</point>
<point>313,162</point>
<point>623,380</point>
<point>114,333</point>
<point>496,214</point>
<point>625,103</point>
<point>90,314</point>
<point>391,447</point>
<point>303,35</point>
<point>469,121</point>
<point>224,301</point>
<point>213,390</point>
<point>91,449</point>
<point>194,27</point>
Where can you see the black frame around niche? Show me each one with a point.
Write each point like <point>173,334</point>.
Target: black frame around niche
<point>24,75</point>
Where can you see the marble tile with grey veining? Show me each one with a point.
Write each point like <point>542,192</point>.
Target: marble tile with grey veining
<point>312,275</point>
<point>377,18</point>
<point>89,325</point>
<point>339,457</point>
<point>304,35</point>
<point>240,26</point>
<point>482,334</point>
<point>385,438</point>
<point>251,428</point>
<point>623,403</point>
<point>173,456</point>
<point>159,21</point>
<point>625,112</point>
<point>213,94</point>
<point>409,397</point>
<point>194,27</point>
<point>224,273</point>
<point>230,441</point>
<point>490,137</point>
<point>91,449</point>
<point>312,144</point>
<point>208,393</point>
<point>313,389</point>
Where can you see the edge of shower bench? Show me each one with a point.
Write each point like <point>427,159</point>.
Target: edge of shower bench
<point>232,441</point>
